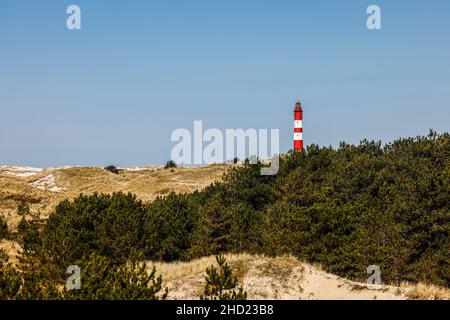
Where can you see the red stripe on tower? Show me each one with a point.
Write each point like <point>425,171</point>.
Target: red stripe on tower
<point>298,127</point>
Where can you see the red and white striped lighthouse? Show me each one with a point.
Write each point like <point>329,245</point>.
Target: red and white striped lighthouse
<point>298,127</point>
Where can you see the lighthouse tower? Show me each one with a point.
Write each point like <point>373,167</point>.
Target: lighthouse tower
<point>298,127</point>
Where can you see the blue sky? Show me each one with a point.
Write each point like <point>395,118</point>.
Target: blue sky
<point>113,92</point>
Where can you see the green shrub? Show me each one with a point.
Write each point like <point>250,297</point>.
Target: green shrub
<point>112,169</point>
<point>30,282</point>
<point>110,225</point>
<point>170,224</point>
<point>101,279</point>
<point>3,228</point>
<point>29,234</point>
<point>221,283</point>
<point>23,209</point>
<point>10,279</point>
<point>170,164</point>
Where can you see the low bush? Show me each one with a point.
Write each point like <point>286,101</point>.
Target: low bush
<point>221,283</point>
<point>112,169</point>
<point>170,164</point>
<point>3,228</point>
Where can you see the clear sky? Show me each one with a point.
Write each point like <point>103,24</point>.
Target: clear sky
<point>113,92</point>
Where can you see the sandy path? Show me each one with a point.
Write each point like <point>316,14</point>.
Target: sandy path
<point>318,284</point>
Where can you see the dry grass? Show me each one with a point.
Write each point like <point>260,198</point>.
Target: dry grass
<point>180,269</point>
<point>423,291</point>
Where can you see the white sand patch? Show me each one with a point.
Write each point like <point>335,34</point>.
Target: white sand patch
<point>47,183</point>
<point>62,167</point>
<point>20,171</point>
<point>148,167</point>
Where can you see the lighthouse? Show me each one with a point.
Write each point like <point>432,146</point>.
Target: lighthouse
<point>298,127</point>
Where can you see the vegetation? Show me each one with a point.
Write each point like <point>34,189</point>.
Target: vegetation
<point>29,236</point>
<point>220,283</point>
<point>109,225</point>
<point>30,281</point>
<point>3,228</point>
<point>170,164</point>
<point>9,278</point>
<point>23,209</point>
<point>112,169</point>
<point>345,208</point>
<point>103,280</point>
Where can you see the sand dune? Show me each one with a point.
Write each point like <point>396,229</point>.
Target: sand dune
<point>284,278</point>
<point>43,189</point>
